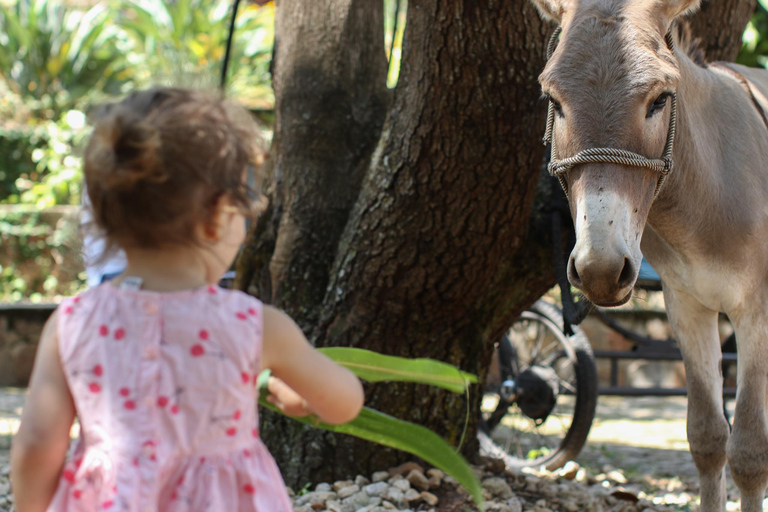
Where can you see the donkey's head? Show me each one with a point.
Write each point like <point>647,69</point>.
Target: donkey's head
<point>610,79</point>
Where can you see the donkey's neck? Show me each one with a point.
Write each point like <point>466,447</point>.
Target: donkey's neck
<point>715,197</point>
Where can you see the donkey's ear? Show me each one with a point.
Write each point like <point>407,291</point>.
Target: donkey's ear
<point>551,9</point>
<point>674,8</point>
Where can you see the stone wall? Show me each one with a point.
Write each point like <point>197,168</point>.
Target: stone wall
<point>20,329</point>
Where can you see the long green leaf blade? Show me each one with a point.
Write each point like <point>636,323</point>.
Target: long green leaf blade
<point>380,428</point>
<point>375,367</point>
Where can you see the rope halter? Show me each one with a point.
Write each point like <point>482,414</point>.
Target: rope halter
<point>560,168</point>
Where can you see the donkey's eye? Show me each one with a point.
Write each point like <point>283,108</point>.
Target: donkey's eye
<point>555,104</point>
<point>658,104</point>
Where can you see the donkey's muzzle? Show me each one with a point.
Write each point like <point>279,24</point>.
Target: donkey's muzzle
<point>605,276</point>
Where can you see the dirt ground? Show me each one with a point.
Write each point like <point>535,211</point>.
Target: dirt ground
<point>643,438</point>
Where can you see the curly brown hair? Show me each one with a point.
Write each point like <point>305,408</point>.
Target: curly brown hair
<point>159,160</point>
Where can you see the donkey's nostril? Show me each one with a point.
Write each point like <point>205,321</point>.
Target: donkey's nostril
<point>573,274</point>
<point>627,276</point>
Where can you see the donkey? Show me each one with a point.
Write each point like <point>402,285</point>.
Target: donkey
<point>614,81</point>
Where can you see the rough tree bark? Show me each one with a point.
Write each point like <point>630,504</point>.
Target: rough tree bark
<point>403,224</point>
<point>720,24</point>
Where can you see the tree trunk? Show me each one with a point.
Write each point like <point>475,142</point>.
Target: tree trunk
<point>720,24</point>
<point>404,225</point>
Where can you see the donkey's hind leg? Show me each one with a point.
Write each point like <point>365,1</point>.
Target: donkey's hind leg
<point>748,445</point>
<point>696,330</point>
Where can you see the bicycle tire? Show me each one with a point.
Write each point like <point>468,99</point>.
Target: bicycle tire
<point>585,396</point>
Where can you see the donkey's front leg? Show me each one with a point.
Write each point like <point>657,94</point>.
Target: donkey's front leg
<point>696,330</point>
<point>748,445</point>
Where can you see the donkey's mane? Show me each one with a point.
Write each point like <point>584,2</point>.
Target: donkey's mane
<point>691,46</point>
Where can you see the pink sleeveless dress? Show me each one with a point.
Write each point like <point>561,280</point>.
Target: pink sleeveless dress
<point>165,390</point>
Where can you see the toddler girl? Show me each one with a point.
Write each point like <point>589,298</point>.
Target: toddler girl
<point>160,364</point>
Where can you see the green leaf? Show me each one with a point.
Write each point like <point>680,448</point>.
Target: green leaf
<point>374,367</point>
<point>380,428</point>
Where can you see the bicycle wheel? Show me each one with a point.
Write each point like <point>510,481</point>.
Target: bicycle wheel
<point>539,403</point>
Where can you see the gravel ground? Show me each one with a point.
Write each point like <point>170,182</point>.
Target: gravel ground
<point>637,460</point>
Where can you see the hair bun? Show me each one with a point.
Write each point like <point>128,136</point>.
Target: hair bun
<point>124,150</point>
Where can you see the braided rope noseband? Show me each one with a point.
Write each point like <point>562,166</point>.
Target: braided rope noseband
<point>560,168</point>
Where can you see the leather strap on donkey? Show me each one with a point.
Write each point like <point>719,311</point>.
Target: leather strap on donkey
<point>559,168</point>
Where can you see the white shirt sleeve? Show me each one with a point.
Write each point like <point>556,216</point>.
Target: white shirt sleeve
<point>94,245</point>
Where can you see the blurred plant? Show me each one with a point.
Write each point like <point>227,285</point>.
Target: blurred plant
<point>39,255</point>
<point>394,31</point>
<point>183,43</point>
<point>55,56</point>
<point>754,51</point>
<point>57,177</point>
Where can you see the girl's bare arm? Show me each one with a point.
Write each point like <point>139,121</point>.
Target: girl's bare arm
<point>39,449</point>
<point>331,391</point>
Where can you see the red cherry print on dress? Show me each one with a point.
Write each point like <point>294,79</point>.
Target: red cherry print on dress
<point>231,431</point>
<point>212,290</point>
<point>255,432</point>
<point>130,405</point>
<point>204,335</point>
<point>77,494</point>
<point>246,453</point>
<point>162,401</point>
<point>245,377</point>
<point>136,461</point>
<point>241,315</point>
<point>253,312</point>
<point>119,334</point>
<point>98,370</point>
<point>76,300</point>
<point>197,350</point>
<point>94,387</point>
<point>236,415</point>
<point>68,475</point>
<point>174,496</point>
<point>104,331</point>
<point>107,504</point>
<point>249,489</point>
<point>125,392</point>
<point>68,310</point>
<point>175,409</point>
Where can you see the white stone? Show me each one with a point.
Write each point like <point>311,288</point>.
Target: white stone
<point>340,484</point>
<point>377,489</point>
<point>412,495</point>
<point>498,487</point>
<point>429,498</point>
<point>514,505</point>
<point>402,484</point>
<point>379,476</point>
<point>418,480</point>
<point>346,492</point>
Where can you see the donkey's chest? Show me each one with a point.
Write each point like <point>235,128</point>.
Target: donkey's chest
<point>718,283</point>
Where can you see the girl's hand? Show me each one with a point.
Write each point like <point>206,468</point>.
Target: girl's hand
<point>307,381</point>
<point>286,399</point>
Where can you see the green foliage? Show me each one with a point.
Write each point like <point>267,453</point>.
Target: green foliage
<point>57,175</point>
<point>374,367</point>
<point>38,257</point>
<point>16,148</point>
<point>380,428</point>
<point>55,57</point>
<point>184,42</point>
<point>754,51</point>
